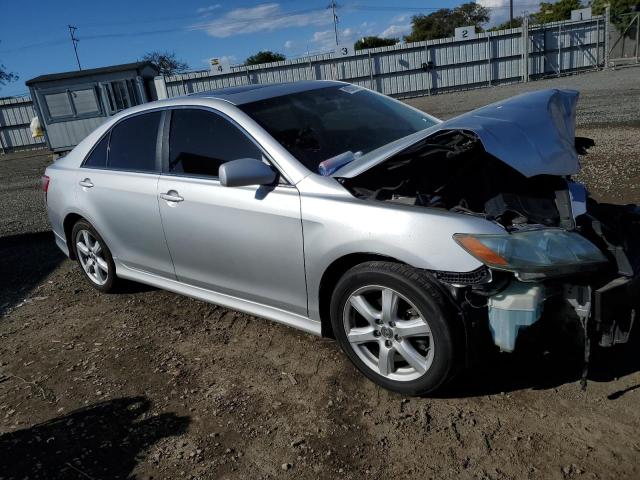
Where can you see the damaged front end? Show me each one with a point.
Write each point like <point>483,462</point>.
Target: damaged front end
<point>563,257</point>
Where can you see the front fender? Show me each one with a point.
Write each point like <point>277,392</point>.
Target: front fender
<point>335,226</point>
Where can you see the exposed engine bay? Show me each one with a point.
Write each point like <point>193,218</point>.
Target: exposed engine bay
<point>451,170</point>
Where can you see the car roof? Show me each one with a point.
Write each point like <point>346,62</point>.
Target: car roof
<point>253,93</point>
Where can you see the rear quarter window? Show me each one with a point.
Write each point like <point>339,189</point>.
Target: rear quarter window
<point>98,156</point>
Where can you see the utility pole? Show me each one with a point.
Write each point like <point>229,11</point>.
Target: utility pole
<point>74,40</point>
<point>510,13</point>
<point>334,7</point>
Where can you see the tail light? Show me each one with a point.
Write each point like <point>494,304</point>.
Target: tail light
<point>45,185</point>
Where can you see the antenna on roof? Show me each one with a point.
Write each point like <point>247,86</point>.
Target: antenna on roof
<point>74,40</point>
<point>333,8</point>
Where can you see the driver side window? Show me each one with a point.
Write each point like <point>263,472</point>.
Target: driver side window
<point>200,141</point>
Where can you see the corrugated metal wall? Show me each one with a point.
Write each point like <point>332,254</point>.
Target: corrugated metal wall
<point>403,70</point>
<point>431,67</point>
<point>15,116</point>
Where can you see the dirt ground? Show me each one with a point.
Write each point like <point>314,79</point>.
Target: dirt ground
<point>149,384</point>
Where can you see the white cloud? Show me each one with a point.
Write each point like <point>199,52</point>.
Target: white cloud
<point>499,9</point>
<point>288,44</point>
<point>208,9</point>
<point>396,31</point>
<point>265,17</point>
<point>401,18</point>
<point>325,41</point>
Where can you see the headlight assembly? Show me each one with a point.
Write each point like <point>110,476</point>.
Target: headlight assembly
<point>533,254</point>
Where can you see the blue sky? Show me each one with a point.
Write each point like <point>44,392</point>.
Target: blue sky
<point>34,38</point>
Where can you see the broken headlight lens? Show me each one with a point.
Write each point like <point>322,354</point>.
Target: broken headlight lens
<point>534,253</point>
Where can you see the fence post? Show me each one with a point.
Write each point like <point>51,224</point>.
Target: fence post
<point>1,143</point>
<point>429,71</point>
<point>372,85</point>
<point>159,83</point>
<point>525,49</point>
<point>637,19</point>
<point>597,65</point>
<point>559,49</point>
<point>606,37</point>
<point>489,59</point>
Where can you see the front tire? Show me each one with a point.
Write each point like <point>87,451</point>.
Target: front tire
<point>397,327</point>
<point>94,257</point>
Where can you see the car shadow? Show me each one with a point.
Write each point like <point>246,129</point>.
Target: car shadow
<point>100,441</point>
<point>27,259</point>
<point>503,373</point>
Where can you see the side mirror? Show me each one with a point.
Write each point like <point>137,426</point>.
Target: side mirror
<point>245,171</point>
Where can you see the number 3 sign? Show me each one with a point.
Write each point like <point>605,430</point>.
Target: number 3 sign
<point>344,50</point>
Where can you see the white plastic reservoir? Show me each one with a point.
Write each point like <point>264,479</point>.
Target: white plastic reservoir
<point>519,305</point>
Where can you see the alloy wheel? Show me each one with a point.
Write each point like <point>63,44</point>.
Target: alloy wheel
<point>91,256</point>
<point>388,333</point>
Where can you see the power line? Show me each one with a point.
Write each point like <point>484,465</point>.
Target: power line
<point>74,40</point>
<point>205,25</point>
<point>200,26</point>
<point>394,8</point>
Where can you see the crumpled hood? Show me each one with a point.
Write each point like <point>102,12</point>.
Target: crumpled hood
<point>534,133</point>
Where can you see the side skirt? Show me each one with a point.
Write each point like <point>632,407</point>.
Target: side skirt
<point>258,309</point>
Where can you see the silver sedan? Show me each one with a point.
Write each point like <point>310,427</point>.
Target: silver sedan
<point>417,244</point>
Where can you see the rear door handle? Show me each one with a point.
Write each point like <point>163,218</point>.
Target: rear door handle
<point>171,196</point>
<point>86,183</point>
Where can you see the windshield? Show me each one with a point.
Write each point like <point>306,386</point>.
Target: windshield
<point>316,125</point>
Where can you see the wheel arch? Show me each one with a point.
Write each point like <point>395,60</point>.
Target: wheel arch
<point>330,278</point>
<point>69,221</point>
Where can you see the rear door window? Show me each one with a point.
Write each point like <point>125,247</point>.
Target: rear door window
<point>200,141</point>
<point>98,156</point>
<point>133,143</point>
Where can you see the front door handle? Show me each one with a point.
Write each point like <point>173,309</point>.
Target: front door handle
<point>171,196</point>
<point>87,183</point>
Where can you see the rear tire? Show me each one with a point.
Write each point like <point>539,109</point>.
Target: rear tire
<point>94,257</point>
<point>397,327</point>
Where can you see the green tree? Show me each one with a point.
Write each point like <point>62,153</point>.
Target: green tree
<point>442,23</point>
<point>517,22</point>
<point>6,76</point>
<point>373,42</point>
<point>264,56</point>
<point>618,8</point>
<point>166,62</point>
<point>555,12</point>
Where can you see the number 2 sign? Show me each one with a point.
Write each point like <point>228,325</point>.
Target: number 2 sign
<point>465,33</point>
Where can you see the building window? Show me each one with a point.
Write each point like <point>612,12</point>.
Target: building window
<point>85,101</point>
<point>72,104</point>
<point>59,105</point>
<point>121,94</point>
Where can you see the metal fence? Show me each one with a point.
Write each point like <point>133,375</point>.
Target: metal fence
<point>435,66</point>
<point>15,116</point>
<point>403,70</point>
<point>624,40</point>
